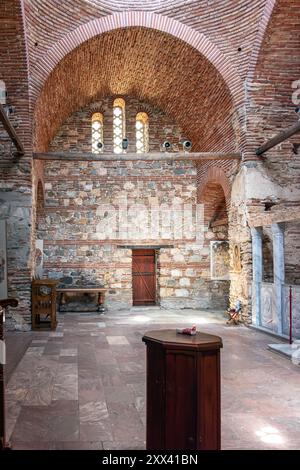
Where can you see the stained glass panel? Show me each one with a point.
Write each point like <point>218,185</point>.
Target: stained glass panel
<point>118,124</point>
<point>97,133</point>
<point>142,133</point>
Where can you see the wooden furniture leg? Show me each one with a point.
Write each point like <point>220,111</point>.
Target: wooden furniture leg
<point>53,320</point>
<point>60,300</point>
<point>101,308</point>
<point>33,322</point>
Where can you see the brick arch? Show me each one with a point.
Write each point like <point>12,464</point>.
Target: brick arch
<point>218,176</point>
<point>96,108</point>
<point>145,108</point>
<point>214,191</point>
<point>148,20</point>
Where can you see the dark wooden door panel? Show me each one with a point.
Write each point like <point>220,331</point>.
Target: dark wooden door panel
<point>156,402</point>
<point>180,427</point>
<point>143,277</point>
<point>209,417</point>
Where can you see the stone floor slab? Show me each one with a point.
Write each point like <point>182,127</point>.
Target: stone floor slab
<point>83,386</point>
<point>117,340</point>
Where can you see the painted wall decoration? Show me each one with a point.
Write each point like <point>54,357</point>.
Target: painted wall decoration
<point>295,311</point>
<point>268,317</point>
<point>3,261</point>
<point>236,258</point>
<point>219,260</point>
<point>39,247</point>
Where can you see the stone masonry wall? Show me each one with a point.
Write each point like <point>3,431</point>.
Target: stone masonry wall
<point>72,222</point>
<point>75,134</point>
<point>15,171</point>
<point>292,253</point>
<point>269,110</point>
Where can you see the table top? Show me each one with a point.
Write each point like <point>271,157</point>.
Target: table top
<point>81,289</point>
<point>171,339</point>
<point>44,282</point>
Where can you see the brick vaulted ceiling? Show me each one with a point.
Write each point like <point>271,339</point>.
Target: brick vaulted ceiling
<point>149,65</point>
<point>229,24</point>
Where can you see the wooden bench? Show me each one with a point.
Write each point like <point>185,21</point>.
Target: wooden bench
<point>90,290</point>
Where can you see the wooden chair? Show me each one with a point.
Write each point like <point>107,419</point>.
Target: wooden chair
<point>234,314</point>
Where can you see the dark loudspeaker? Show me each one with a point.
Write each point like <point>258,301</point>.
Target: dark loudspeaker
<point>166,145</point>
<point>125,143</point>
<point>187,145</point>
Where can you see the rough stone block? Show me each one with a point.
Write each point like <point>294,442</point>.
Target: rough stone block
<point>181,292</point>
<point>184,282</point>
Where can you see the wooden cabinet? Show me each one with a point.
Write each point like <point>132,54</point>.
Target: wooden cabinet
<point>43,304</point>
<point>183,391</point>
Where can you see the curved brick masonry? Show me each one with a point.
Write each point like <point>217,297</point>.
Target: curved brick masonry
<point>145,70</point>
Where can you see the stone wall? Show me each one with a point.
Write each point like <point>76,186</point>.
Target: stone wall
<point>15,171</point>
<point>240,62</point>
<point>75,247</point>
<point>269,108</point>
<point>292,252</point>
<point>267,249</point>
<point>75,134</point>
<point>72,222</point>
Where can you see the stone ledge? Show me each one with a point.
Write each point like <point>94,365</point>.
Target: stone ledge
<point>282,348</point>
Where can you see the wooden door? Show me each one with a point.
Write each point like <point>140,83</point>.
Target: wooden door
<point>143,277</point>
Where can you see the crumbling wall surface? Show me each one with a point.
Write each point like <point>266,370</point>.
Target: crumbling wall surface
<point>16,205</point>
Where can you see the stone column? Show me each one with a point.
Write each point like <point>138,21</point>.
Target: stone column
<point>279,271</point>
<point>257,270</point>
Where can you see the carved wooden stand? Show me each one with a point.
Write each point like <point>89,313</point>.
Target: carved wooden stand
<point>3,444</point>
<point>183,391</point>
<point>44,304</point>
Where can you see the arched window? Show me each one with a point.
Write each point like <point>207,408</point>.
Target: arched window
<point>97,133</point>
<point>142,133</point>
<point>118,124</point>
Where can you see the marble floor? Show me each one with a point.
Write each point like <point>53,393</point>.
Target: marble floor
<point>83,386</point>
